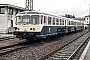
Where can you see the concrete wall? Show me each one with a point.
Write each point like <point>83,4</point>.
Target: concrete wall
<point>87,21</point>
<point>5,20</point>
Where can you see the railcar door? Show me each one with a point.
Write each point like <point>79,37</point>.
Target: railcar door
<point>65,26</point>
<point>45,26</point>
<point>75,26</point>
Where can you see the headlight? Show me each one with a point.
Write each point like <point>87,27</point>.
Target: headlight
<point>30,28</point>
<point>33,29</point>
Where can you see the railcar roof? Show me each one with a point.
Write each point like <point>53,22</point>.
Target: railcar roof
<point>36,12</point>
<point>39,12</point>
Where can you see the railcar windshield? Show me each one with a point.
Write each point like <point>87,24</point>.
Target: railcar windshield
<point>18,19</point>
<point>23,19</point>
<point>26,19</point>
<point>35,19</point>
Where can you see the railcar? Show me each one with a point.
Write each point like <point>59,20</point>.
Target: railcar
<point>32,25</point>
<point>79,25</point>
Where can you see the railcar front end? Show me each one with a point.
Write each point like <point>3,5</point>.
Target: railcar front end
<point>28,26</point>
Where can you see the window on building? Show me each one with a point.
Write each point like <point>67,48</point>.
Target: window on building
<point>16,11</point>
<point>2,10</point>
<point>10,11</point>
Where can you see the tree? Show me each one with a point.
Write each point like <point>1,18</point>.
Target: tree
<point>69,16</point>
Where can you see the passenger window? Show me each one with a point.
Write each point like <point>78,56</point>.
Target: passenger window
<point>60,22</point>
<point>53,21</point>
<point>69,22</point>
<point>73,23</point>
<point>49,20</point>
<point>44,19</point>
<point>65,22</point>
<point>41,19</point>
<point>56,21</point>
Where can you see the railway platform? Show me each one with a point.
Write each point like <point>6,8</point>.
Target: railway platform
<point>6,36</point>
<point>86,53</point>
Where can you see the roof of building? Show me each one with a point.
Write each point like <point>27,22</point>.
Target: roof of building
<point>13,6</point>
<point>87,16</point>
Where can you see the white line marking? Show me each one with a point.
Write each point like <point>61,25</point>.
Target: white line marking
<point>84,52</point>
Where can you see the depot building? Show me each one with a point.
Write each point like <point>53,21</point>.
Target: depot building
<point>7,16</point>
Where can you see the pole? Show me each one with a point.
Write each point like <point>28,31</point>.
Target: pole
<point>29,5</point>
<point>89,16</point>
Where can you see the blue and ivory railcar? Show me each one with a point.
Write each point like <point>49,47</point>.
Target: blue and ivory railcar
<point>37,25</point>
<point>79,25</point>
<point>33,25</point>
<point>69,25</point>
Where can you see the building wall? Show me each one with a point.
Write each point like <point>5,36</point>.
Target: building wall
<point>87,22</point>
<point>14,17</point>
<point>5,20</point>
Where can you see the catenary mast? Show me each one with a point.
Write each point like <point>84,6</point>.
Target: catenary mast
<point>29,5</point>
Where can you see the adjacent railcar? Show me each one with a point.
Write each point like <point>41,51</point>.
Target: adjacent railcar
<point>33,25</point>
<point>79,25</point>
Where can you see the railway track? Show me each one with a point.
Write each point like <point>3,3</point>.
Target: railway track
<point>7,38</point>
<point>18,46</point>
<point>12,48</point>
<point>68,51</point>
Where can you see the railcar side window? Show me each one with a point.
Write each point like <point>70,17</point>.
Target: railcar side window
<point>72,23</point>
<point>67,22</point>
<point>44,19</point>
<point>41,19</point>
<point>49,20</point>
<point>18,19</point>
<point>60,22</point>
<point>35,19</point>
<point>57,21</point>
<point>53,21</point>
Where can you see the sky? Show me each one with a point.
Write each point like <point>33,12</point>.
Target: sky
<point>79,8</point>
